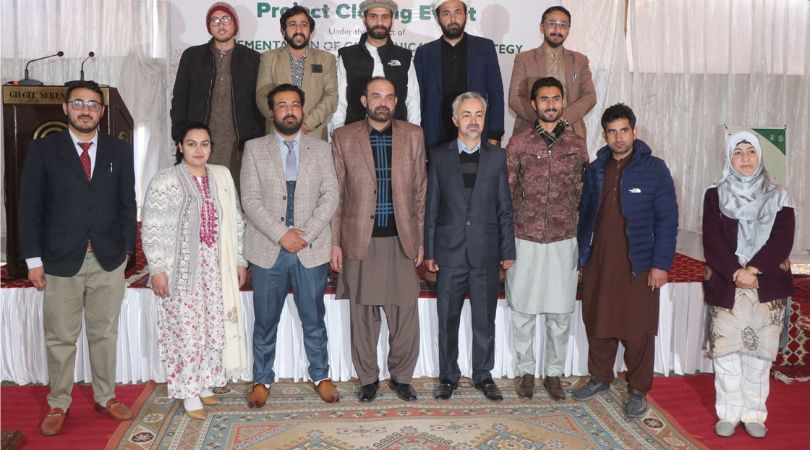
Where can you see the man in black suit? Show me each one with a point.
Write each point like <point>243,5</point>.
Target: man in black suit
<point>469,232</point>
<point>77,230</point>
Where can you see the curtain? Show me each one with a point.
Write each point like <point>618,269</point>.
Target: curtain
<point>690,67</point>
<point>130,41</point>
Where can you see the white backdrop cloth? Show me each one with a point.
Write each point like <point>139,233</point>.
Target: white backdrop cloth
<point>678,344</point>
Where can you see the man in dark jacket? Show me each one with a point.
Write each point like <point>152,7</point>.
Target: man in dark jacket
<point>77,230</point>
<point>469,236</point>
<point>451,65</point>
<point>628,224</point>
<point>216,85</point>
<point>375,56</point>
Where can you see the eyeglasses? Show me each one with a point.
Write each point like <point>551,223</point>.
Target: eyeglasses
<point>561,25</point>
<point>79,104</point>
<point>225,20</point>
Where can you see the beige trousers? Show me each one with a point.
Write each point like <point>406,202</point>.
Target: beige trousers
<point>98,294</point>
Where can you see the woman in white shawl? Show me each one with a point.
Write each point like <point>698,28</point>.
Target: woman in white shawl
<point>192,238</point>
<point>748,228</point>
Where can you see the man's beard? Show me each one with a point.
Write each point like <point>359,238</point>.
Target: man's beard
<point>82,129</point>
<point>380,114</point>
<point>553,44</point>
<point>376,33</point>
<point>290,41</point>
<point>473,133</point>
<point>553,119</point>
<point>454,33</point>
<point>288,129</point>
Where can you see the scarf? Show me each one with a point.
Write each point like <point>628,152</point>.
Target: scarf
<point>752,200</point>
<point>550,138</point>
<point>234,355</point>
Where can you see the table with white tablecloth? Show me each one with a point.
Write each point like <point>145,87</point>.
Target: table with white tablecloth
<point>678,344</point>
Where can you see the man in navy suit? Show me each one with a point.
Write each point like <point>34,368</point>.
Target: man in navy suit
<point>77,230</point>
<point>469,233</point>
<point>456,63</point>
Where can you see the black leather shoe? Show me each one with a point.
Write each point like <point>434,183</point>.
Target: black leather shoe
<point>368,391</point>
<point>404,391</point>
<point>490,390</point>
<point>444,390</point>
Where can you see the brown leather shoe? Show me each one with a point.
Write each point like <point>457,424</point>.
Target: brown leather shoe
<point>525,388</point>
<point>257,397</point>
<point>328,391</point>
<point>115,409</point>
<point>554,388</point>
<point>54,421</point>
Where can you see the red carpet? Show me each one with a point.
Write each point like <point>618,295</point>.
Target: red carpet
<point>690,401</point>
<point>23,408</point>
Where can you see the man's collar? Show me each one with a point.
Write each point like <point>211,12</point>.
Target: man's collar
<point>463,39</point>
<point>281,138</point>
<point>370,128</point>
<point>293,57</point>
<point>462,148</point>
<point>76,139</point>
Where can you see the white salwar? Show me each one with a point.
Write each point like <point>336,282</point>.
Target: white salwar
<point>543,280</point>
<point>743,342</point>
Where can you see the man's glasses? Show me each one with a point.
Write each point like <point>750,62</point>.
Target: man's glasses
<point>561,25</point>
<point>79,104</point>
<point>225,20</point>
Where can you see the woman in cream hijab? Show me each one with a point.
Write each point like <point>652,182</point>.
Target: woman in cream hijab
<point>748,228</point>
<point>192,238</point>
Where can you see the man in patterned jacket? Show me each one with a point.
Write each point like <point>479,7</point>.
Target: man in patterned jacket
<point>545,164</point>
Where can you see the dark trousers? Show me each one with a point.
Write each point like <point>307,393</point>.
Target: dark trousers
<point>483,285</point>
<point>270,287</point>
<point>639,357</point>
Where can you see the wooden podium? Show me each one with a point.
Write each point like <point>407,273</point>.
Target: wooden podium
<point>32,112</point>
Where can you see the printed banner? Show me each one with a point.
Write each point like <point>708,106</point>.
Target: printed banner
<point>337,25</point>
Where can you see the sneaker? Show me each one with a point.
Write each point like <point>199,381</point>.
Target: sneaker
<point>591,388</point>
<point>725,428</point>
<point>636,406</point>
<point>755,429</point>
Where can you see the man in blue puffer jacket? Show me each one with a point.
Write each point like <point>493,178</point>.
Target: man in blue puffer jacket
<point>628,224</point>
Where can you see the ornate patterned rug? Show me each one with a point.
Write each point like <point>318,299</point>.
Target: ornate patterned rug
<point>295,418</point>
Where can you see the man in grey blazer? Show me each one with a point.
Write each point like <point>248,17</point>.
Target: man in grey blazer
<point>297,63</point>
<point>552,60</point>
<point>469,233</point>
<point>289,194</point>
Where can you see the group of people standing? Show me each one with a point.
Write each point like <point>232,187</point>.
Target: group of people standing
<point>415,174</point>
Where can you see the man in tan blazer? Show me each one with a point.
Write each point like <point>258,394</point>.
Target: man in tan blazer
<point>377,235</point>
<point>289,194</point>
<point>552,60</point>
<point>297,63</point>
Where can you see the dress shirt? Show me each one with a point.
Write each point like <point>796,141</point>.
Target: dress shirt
<point>36,261</point>
<point>464,149</point>
<point>411,101</point>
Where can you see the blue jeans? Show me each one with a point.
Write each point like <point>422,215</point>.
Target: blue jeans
<point>270,287</point>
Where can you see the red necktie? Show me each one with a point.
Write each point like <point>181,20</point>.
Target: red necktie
<point>85,158</point>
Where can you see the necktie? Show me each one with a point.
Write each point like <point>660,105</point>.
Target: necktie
<point>291,164</point>
<point>85,158</point>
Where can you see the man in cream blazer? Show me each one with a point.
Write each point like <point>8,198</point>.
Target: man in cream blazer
<point>289,194</point>
<point>314,73</point>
